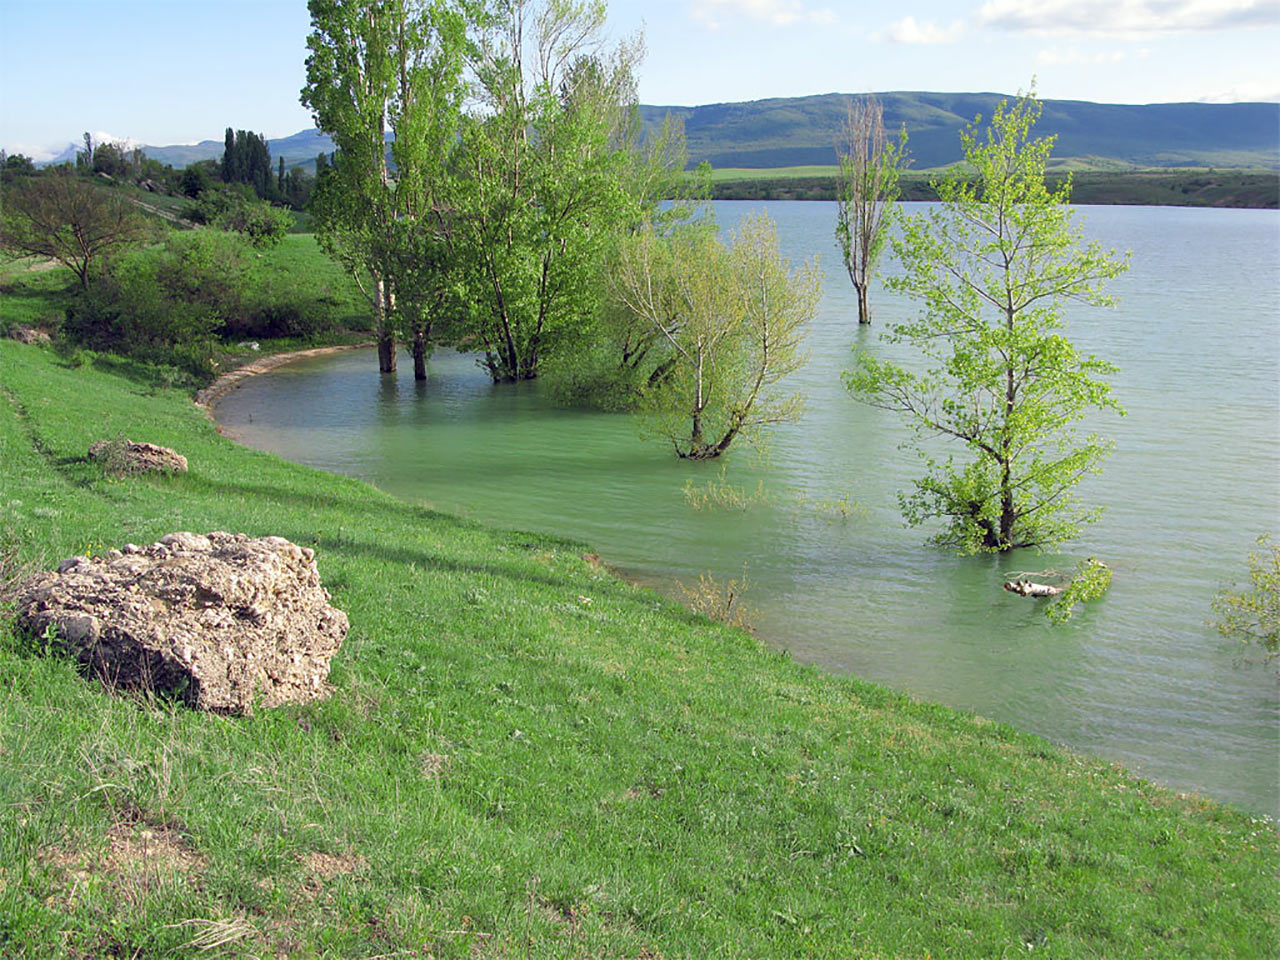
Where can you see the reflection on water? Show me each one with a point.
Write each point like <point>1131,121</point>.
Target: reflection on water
<point>1138,677</point>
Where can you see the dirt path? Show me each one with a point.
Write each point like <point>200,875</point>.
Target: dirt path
<point>225,383</point>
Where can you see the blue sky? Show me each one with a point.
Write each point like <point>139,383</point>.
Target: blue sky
<point>177,71</point>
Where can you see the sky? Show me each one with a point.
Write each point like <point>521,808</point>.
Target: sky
<point>178,71</point>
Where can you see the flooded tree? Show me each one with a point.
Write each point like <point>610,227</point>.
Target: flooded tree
<point>379,72</point>
<point>731,319</point>
<point>542,185</point>
<point>993,266</point>
<point>866,189</point>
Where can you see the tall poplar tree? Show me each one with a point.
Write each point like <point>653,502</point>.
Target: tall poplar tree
<point>380,68</point>
<point>993,267</point>
<point>542,175</point>
<point>865,190</point>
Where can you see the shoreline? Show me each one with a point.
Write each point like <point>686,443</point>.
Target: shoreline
<point>226,382</point>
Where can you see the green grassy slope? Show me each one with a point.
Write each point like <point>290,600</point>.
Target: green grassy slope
<point>526,757</point>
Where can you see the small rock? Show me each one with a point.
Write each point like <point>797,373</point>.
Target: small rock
<point>125,457</point>
<point>28,334</point>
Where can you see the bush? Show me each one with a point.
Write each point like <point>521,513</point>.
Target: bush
<point>170,305</point>
<point>237,209</point>
<point>259,222</point>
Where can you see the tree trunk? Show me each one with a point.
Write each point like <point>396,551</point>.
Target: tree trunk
<point>1029,588</point>
<point>382,327</point>
<point>419,352</point>
<point>864,309</point>
<point>386,351</point>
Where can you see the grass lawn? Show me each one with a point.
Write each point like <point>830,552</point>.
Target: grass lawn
<point>526,757</point>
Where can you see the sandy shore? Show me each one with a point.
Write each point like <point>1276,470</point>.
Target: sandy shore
<point>225,383</point>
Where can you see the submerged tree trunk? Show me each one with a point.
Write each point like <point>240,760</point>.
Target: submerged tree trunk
<point>421,329</point>
<point>1029,588</point>
<point>864,308</point>
<point>419,352</point>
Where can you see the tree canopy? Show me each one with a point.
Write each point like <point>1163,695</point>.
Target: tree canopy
<point>726,322</point>
<point>993,267</point>
<point>69,219</point>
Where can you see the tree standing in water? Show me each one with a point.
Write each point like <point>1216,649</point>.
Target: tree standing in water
<point>994,265</point>
<point>865,191</point>
<point>731,319</point>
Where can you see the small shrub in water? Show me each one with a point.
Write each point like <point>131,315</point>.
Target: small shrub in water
<point>718,602</point>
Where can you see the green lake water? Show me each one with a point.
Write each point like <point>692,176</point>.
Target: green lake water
<point>1138,677</point>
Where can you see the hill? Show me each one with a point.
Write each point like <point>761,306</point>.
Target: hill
<point>799,131</point>
<point>796,131</point>
<point>299,149</point>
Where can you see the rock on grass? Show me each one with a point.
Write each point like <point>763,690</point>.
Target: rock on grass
<point>222,622</point>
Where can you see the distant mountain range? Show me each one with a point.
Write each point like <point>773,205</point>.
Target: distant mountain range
<point>802,131</point>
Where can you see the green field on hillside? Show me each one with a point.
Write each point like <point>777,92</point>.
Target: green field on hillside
<point>526,757</point>
<point>1179,188</point>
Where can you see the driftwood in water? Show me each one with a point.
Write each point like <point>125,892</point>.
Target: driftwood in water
<point>1029,588</point>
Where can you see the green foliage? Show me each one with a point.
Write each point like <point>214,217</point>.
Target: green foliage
<point>14,165</point>
<point>1090,582</point>
<point>68,219</point>
<point>992,267</point>
<point>234,207</point>
<point>549,176</point>
<point>262,224</point>
<point>1252,614</point>
<point>724,323</point>
<point>247,159</point>
<point>372,71</point>
<point>195,180</point>
<point>173,304</point>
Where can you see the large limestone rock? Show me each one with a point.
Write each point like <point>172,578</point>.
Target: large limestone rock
<point>223,622</point>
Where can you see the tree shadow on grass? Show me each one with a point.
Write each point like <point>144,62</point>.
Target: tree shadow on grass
<point>391,513</point>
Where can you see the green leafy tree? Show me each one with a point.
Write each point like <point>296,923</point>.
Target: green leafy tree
<point>379,68</point>
<point>1252,614</point>
<point>246,158</point>
<point>730,320</point>
<point>993,266</point>
<point>68,219</point>
<point>866,189</point>
<point>15,165</point>
<point>543,190</point>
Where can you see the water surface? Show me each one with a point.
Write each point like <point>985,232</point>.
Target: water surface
<point>1138,677</point>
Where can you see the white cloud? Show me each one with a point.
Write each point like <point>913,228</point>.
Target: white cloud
<point>1127,17</point>
<point>67,149</point>
<point>780,13</point>
<point>1060,56</point>
<point>909,31</point>
<point>1244,93</point>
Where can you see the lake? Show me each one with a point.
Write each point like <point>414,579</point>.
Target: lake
<point>1138,677</point>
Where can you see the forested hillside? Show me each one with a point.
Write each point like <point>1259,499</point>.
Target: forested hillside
<point>796,131</point>
<point>803,130</point>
